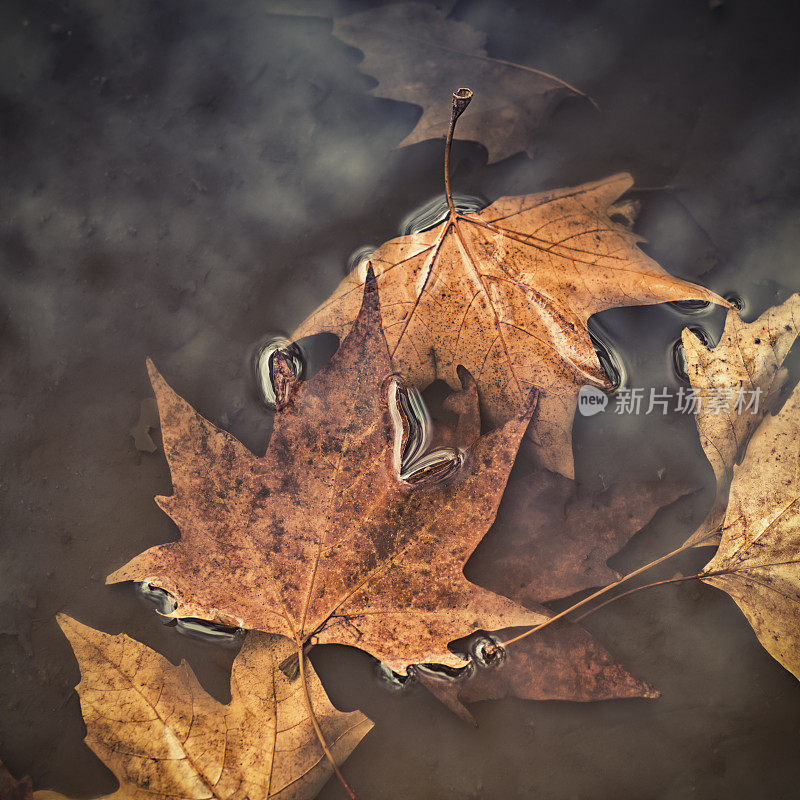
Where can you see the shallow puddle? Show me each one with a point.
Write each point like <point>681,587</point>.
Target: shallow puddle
<point>184,180</point>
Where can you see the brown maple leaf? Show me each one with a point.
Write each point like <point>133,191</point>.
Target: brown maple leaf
<point>758,560</point>
<point>417,55</point>
<point>562,662</point>
<point>736,384</point>
<point>164,737</point>
<point>507,293</point>
<point>321,538</point>
<point>550,541</point>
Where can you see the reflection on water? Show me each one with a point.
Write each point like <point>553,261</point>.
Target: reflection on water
<point>737,301</point>
<point>392,680</point>
<point>196,628</point>
<point>413,432</point>
<point>262,363</point>
<point>359,256</point>
<point>691,306</point>
<point>436,211</point>
<point>609,356</point>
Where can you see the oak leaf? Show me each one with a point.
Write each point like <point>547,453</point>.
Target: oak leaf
<point>418,55</point>
<point>758,560</point>
<point>321,539</point>
<point>561,662</point>
<point>164,737</point>
<point>736,384</point>
<point>507,293</point>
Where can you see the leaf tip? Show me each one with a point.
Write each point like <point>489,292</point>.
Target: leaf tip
<point>71,628</point>
<point>370,282</point>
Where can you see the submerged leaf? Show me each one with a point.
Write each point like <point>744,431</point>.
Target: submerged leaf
<point>550,541</point>
<point>418,55</point>
<point>561,662</point>
<point>13,789</point>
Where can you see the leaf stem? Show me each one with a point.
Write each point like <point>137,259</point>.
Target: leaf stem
<point>637,589</point>
<point>461,98</point>
<point>301,659</point>
<point>699,576</point>
<point>598,593</point>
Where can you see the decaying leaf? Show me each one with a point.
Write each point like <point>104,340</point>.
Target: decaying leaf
<point>320,539</point>
<point>561,662</point>
<point>418,55</point>
<point>550,541</point>
<point>758,560</point>
<point>164,737</point>
<point>747,360</point>
<point>13,789</point>
<point>507,294</point>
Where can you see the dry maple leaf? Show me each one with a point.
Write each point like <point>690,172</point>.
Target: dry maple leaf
<point>320,539</point>
<point>507,293</point>
<point>418,55</point>
<point>758,560</point>
<point>164,737</point>
<point>562,662</point>
<point>747,359</point>
<point>549,541</point>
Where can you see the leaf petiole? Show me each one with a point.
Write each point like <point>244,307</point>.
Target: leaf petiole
<point>461,98</point>
<point>301,657</point>
<point>596,594</point>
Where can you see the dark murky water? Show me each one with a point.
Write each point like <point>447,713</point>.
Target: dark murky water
<point>182,179</point>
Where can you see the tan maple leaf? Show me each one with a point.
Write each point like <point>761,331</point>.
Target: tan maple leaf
<point>758,560</point>
<point>322,538</point>
<point>417,55</point>
<point>736,384</point>
<point>507,293</point>
<point>164,737</point>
